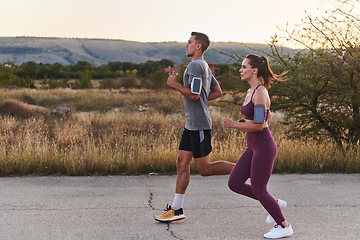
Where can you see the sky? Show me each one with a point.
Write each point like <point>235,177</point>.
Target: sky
<point>156,20</point>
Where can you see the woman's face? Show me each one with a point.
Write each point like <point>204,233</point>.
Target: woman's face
<point>246,71</point>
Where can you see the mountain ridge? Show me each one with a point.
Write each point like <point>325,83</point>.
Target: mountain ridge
<point>68,51</point>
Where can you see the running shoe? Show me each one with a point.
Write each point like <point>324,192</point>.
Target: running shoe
<point>279,232</point>
<point>282,205</point>
<point>171,215</point>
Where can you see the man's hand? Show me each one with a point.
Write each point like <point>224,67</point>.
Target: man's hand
<point>172,80</point>
<point>215,93</point>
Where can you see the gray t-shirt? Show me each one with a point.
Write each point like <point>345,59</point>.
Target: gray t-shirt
<point>197,112</point>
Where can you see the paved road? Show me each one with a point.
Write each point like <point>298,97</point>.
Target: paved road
<point>122,207</point>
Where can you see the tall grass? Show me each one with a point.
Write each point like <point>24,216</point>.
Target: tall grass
<point>96,99</point>
<point>109,143</point>
<point>107,135</point>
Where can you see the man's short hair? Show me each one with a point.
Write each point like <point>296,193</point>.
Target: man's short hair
<point>203,39</point>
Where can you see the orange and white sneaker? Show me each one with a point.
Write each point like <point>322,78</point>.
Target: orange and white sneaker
<point>171,215</point>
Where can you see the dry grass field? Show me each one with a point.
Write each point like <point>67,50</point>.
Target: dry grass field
<point>112,132</point>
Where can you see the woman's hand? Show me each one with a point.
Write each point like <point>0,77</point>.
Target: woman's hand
<point>227,122</point>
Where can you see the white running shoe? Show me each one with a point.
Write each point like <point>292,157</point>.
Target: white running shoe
<point>282,205</point>
<point>279,232</point>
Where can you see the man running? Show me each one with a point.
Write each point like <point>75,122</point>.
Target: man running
<point>200,86</point>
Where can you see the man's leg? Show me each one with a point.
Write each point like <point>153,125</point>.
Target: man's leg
<point>182,181</point>
<point>183,171</point>
<point>182,178</point>
<point>206,168</point>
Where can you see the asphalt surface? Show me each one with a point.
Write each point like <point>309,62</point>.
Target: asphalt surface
<point>320,207</point>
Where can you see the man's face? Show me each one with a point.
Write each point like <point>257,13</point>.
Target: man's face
<point>191,46</point>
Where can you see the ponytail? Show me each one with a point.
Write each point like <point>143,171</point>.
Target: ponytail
<point>264,70</point>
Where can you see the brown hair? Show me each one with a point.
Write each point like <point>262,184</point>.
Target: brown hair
<point>203,39</point>
<point>264,70</point>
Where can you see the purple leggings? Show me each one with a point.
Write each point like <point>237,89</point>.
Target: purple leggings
<point>257,163</point>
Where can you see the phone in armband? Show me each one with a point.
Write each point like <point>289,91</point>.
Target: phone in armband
<point>196,85</point>
<point>259,114</point>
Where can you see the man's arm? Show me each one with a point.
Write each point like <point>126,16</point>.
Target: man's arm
<point>172,82</point>
<point>215,93</point>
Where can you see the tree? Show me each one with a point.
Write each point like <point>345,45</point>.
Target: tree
<point>129,66</point>
<point>28,70</point>
<point>7,76</point>
<point>43,71</point>
<point>231,81</point>
<point>55,70</point>
<point>146,68</point>
<point>321,97</point>
<point>82,66</point>
<point>150,67</point>
<point>229,78</point>
<point>84,81</point>
<point>228,68</point>
<point>115,66</point>
<point>164,63</point>
<point>158,79</point>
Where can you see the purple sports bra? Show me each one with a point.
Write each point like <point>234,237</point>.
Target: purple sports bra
<point>248,109</point>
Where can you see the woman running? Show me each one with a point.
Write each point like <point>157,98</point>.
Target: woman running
<point>258,159</point>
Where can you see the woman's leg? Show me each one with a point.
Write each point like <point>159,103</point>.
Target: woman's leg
<point>257,163</point>
<point>261,168</point>
<point>240,174</point>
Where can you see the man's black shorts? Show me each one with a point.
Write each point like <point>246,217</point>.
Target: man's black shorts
<point>197,142</point>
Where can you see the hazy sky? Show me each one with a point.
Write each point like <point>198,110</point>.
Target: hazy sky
<point>155,20</point>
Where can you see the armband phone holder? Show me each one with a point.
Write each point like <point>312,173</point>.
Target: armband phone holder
<point>259,114</point>
<point>196,85</point>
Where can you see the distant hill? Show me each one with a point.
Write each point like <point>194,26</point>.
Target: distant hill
<point>69,51</point>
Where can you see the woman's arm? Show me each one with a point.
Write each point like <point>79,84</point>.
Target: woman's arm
<point>246,126</point>
<point>261,97</point>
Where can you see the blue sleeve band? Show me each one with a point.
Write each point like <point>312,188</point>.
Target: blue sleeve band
<point>259,114</point>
